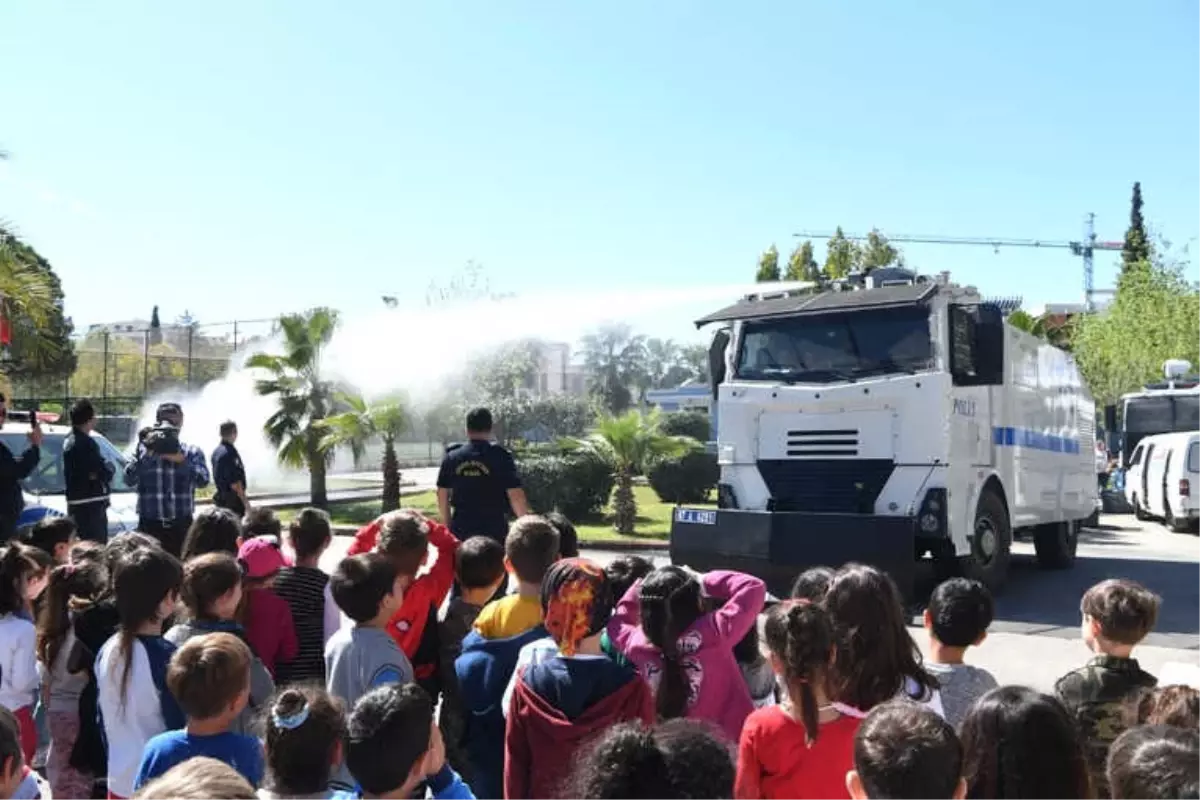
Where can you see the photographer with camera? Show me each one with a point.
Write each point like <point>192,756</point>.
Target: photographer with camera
<point>13,470</point>
<point>166,474</point>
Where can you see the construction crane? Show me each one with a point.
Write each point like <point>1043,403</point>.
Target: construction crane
<point>1084,248</point>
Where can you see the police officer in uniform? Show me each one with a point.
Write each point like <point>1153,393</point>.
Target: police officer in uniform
<point>229,475</point>
<point>87,474</point>
<point>478,483</point>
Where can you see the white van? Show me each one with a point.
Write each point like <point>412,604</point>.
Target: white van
<point>1163,479</point>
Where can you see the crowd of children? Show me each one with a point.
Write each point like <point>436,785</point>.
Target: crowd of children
<point>247,671</point>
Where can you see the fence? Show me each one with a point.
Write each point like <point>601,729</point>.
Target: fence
<point>118,365</point>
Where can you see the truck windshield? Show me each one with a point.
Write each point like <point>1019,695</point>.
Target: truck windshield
<point>1164,414</point>
<point>836,347</point>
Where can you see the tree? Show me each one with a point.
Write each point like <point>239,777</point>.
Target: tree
<point>614,359</point>
<point>768,265</point>
<point>842,256</point>
<point>1154,316</point>
<point>155,327</point>
<point>1137,247</point>
<point>801,265</point>
<point>694,358</point>
<point>1024,321</point>
<point>384,419</point>
<point>304,396</point>
<point>628,444</point>
<point>507,370</point>
<point>877,252</point>
<point>32,297</point>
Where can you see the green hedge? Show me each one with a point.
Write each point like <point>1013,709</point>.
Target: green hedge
<point>576,484</point>
<point>685,479</point>
<point>693,424</point>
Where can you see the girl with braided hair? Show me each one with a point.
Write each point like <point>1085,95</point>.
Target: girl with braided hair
<point>803,747</point>
<point>665,627</point>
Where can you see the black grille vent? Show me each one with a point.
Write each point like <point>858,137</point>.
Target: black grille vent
<point>845,486</point>
<point>822,444</point>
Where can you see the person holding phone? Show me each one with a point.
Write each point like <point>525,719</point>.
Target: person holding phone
<point>13,470</point>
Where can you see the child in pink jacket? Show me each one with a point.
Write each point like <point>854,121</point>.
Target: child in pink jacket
<point>684,651</point>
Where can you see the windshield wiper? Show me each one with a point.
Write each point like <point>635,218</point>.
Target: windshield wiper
<point>884,364</point>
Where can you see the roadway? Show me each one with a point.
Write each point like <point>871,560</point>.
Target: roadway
<point>1035,637</point>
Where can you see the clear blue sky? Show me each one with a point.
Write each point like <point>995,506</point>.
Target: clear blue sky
<point>243,159</point>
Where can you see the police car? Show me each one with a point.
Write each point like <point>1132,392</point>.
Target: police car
<point>46,490</point>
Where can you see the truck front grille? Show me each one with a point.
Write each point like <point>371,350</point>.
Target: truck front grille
<point>822,444</point>
<point>834,485</point>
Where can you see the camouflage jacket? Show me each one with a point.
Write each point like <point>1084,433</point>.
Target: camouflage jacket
<point>1097,695</point>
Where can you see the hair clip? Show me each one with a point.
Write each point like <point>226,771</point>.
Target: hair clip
<point>291,721</point>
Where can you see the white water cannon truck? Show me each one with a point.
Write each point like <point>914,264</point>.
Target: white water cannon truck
<point>886,423</point>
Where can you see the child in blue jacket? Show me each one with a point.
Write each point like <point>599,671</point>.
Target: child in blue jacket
<point>393,745</point>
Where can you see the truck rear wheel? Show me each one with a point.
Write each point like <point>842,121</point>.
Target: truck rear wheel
<point>991,543</point>
<point>1055,544</point>
<point>1175,524</point>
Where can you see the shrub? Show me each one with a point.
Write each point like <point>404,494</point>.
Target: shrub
<point>543,419</point>
<point>685,479</point>
<point>693,424</point>
<point>577,484</point>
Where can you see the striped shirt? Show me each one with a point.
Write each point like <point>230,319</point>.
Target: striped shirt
<point>304,590</point>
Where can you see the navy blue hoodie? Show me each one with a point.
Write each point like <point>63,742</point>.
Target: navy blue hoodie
<point>484,669</point>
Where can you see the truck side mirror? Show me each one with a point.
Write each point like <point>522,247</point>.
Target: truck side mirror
<point>1110,418</point>
<point>716,361</point>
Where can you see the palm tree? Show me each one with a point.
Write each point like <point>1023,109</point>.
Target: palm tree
<point>614,359</point>
<point>629,443</point>
<point>305,397</point>
<point>26,291</point>
<point>385,419</point>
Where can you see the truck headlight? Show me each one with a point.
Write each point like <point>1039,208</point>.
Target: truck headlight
<point>931,519</point>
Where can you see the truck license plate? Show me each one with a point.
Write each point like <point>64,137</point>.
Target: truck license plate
<point>695,516</point>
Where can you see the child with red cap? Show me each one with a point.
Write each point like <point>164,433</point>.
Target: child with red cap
<point>266,616</point>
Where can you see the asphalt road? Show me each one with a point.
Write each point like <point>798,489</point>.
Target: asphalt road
<point>1035,636</point>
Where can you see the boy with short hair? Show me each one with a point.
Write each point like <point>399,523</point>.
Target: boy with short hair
<point>490,651</point>
<point>210,679</point>
<point>529,549</point>
<point>17,780</point>
<point>1117,615</point>
<point>368,590</point>
<point>260,521</point>
<point>479,568</point>
<point>54,536</point>
<point>1155,761</point>
<point>393,746</point>
<point>957,617</point>
<point>905,750</point>
<point>305,588</point>
<point>403,537</point>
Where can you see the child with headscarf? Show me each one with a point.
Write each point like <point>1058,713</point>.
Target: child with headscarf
<point>567,690</point>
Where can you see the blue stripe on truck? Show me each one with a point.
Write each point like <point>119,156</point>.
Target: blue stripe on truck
<point>1034,440</point>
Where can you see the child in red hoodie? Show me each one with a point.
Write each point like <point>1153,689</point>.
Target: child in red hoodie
<point>403,537</point>
<point>563,700</point>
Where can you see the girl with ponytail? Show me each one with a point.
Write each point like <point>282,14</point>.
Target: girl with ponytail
<point>131,668</point>
<point>803,747</point>
<point>22,578</point>
<point>73,587</point>
<point>685,651</point>
<point>305,741</point>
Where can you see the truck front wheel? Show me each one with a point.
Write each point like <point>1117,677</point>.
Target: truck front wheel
<point>991,543</point>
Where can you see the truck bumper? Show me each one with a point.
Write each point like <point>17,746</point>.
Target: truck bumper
<point>778,546</point>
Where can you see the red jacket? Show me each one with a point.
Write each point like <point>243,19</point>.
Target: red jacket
<point>422,599</point>
<point>541,743</point>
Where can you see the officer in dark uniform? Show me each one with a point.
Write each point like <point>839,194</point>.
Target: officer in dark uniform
<point>229,475</point>
<point>478,483</point>
<point>87,474</point>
